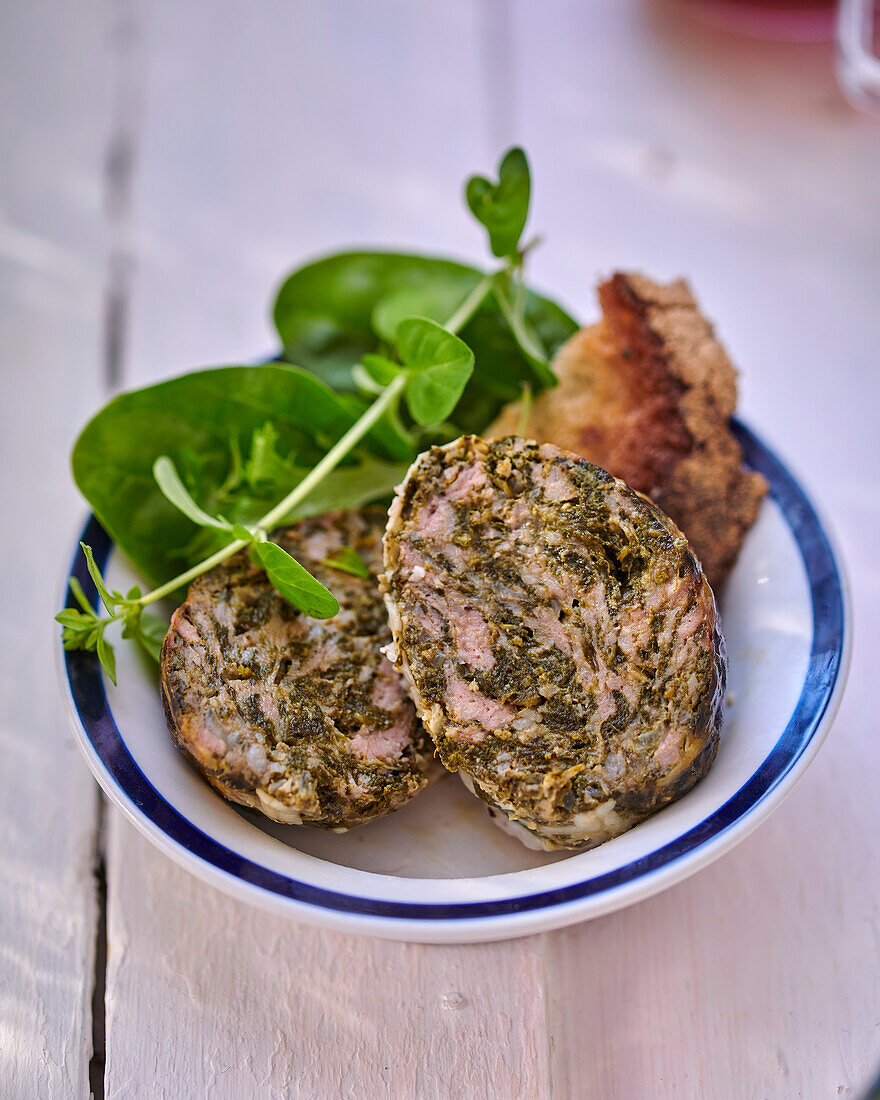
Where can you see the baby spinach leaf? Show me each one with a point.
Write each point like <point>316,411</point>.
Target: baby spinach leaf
<point>347,560</point>
<point>193,419</point>
<point>173,489</point>
<point>295,583</point>
<point>437,299</point>
<point>502,207</point>
<point>338,296</point>
<point>440,365</point>
<point>323,311</point>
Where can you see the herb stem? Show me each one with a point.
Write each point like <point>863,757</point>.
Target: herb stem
<point>525,409</point>
<point>329,462</point>
<point>470,305</point>
<point>337,452</point>
<point>534,353</point>
<point>519,304</point>
<point>191,574</point>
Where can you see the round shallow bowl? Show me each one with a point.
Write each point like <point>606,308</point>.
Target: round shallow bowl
<point>438,870</point>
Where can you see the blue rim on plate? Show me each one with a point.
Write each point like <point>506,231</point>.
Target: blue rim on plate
<point>826,660</point>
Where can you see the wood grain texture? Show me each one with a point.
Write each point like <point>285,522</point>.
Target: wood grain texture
<point>214,998</point>
<point>680,149</point>
<point>51,286</point>
<point>269,133</point>
<point>236,181</point>
<point>263,134</point>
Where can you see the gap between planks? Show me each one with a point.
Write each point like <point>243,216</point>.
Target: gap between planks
<point>127,74</point>
<point>446,1002</point>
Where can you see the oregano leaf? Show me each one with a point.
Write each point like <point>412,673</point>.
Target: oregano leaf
<point>173,489</point>
<point>439,365</point>
<point>242,533</point>
<point>347,560</point>
<point>150,634</point>
<point>77,589</point>
<point>107,657</point>
<point>381,369</point>
<point>98,580</point>
<point>295,583</point>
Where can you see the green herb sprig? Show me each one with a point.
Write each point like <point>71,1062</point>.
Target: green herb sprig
<point>85,629</point>
<point>381,403</point>
<point>434,368</point>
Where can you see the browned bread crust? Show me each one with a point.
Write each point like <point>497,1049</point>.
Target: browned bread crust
<point>647,394</point>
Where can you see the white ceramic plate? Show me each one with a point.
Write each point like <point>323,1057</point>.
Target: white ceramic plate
<point>438,870</point>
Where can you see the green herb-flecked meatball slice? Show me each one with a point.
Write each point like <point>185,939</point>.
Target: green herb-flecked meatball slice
<point>304,720</point>
<point>558,635</point>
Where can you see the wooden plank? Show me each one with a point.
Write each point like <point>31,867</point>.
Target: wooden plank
<point>52,85</point>
<point>666,146</point>
<point>208,996</point>
<point>756,972</point>
<point>267,134</point>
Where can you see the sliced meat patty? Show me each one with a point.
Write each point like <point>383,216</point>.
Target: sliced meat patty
<point>560,640</point>
<point>301,719</point>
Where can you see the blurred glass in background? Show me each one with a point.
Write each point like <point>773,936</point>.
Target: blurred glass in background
<point>854,23</point>
<point>858,52</point>
<point>792,20</point>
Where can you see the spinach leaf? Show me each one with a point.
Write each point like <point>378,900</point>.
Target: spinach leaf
<point>323,311</point>
<point>437,300</point>
<point>295,583</point>
<point>200,421</point>
<point>328,313</point>
<point>502,207</point>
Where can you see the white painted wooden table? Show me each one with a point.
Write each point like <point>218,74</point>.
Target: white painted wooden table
<point>161,165</point>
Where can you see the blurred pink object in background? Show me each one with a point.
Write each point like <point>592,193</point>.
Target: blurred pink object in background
<point>791,20</point>
<point>858,52</point>
<point>854,23</point>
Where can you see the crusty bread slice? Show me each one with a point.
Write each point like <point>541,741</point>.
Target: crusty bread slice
<point>647,393</point>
